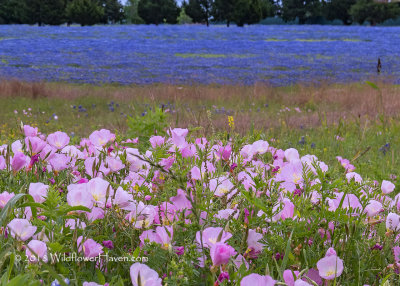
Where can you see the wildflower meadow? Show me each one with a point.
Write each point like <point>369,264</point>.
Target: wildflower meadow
<point>199,156</point>
<point>177,209</point>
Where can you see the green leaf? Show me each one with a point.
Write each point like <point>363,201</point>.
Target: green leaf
<point>136,252</point>
<point>11,265</point>
<point>55,246</point>
<point>100,277</point>
<point>9,207</point>
<point>287,251</point>
<point>383,283</point>
<point>54,274</point>
<point>4,279</point>
<point>19,280</point>
<point>371,84</point>
<point>32,204</point>
<point>255,201</point>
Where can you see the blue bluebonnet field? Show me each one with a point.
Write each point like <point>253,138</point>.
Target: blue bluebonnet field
<point>279,55</point>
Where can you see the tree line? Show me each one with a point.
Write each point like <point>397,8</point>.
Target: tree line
<point>239,12</point>
<point>57,12</point>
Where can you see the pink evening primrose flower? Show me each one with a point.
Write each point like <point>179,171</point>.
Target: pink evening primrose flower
<point>141,216</point>
<point>19,161</point>
<point>221,253</point>
<point>224,152</point>
<point>38,191</point>
<point>59,162</point>
<point>345,164</point>
<point>257,280</point>
<point>286,212</point>
<point>122,198</point>
<point>3,164</point>
<point>387,187</point>
<point>162,235</point>
<point>90,247</point>
<point>292,155</point>
<point>393,222</point>
<point>373,208</point>
<point>301,283</point>
<point>396,253</point>
<point>39,249</point>
<point>114,164</point>
<point>58,140</point>
<point>78,195</point>
<point>180,201</point>
<point>100,190</point>
<point>142,275</point>
<point>353,176</point>
<point>222,186</point>
<point>101,137</point>
<point>156,141</point>
<point>30,131</point>
<point>259,147</point>
<point>35,144</point>
<point>210,236</point>
<point>21,229</point>
<point>289,278</point>
<point>4,198</point>
<point>253,243</point>
<point>16,147</point>
<point>331,266</point>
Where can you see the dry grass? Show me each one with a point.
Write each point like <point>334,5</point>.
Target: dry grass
<point>327,103</point>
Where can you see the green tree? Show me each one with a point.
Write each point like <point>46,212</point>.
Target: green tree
<point>184,18</point>
<point>131,12</point>
<point>199,10</point>
<point>339,9</point>
<point>223,10</point>
<point>158,11</point>
<point>303,10</point>
<point>251,11</point>
<point>113,11</point>
<point>13,12</point>
<point>49,12</point>
<point>375,13</point>
<point>84,12</point>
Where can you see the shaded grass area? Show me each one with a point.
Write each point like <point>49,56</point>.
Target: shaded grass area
<point>328,121</point>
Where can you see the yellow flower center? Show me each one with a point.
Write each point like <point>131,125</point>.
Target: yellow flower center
<point>213,240</point>
<point>96,197</point>
<point>330,272</point>
<point>296,178</point>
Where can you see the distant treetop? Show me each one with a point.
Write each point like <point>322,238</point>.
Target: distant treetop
<point>239,12</point>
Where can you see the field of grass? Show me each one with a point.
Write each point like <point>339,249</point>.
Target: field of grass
<point>232,194</point>
<point>327,121</point>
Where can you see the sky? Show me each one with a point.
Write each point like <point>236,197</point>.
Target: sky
<point>124,1</point>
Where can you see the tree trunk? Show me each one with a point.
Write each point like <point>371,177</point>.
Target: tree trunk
<point>228,23</point>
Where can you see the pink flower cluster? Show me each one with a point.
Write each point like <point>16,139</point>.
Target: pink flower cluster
<point>108,178</point>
